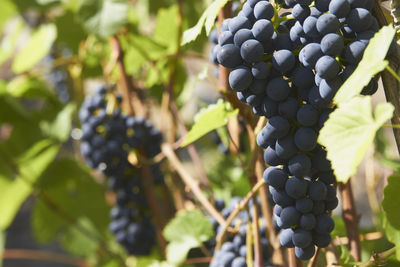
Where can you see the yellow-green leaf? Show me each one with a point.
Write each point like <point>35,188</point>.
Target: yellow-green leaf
<point>349,132</point>
<point>36,49</point>
<point>211,118</point>
<point>207,20</point>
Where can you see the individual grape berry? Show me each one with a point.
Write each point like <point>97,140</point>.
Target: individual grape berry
<point>304,205</point>
<point>303,77</point>
<point>310,27</point>
<point>263,10</point>
<point>240,78</point>
<point>300,12</point>
<point>271,158</point>
<point>242,36</point>
<point>288,108</point>
<point>301,238</point>
<point>339,8</point>
<point>229,56</point>
<point>238,23</point>
<point>354,51</point>
<point>286,238</point>
<point>305,139</point>
<point>327,67</point>
<point>252,51</point>
<point>308,222</point>
<point>327,23</point>
<point>359,19</point>
<point>307,115</point>
<point>332,44</point>
<point>305,253</point>
<point>285,148</point>
<point>322,240</point>
<point>328,88</point>
<point>296,187</point>
<point>275,177</point>
<point>322,5</point>
<point>289,217</point>
<point>325,224</point>
<point>278,89</point>
<point>283,61</point>
<point>263,30</point>
<point>311,53</point>
<point>261,70</point>
<point>317,191</point>
<point>299,165</point>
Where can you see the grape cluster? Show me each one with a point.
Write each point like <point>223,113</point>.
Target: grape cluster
<point>288,67</point>
<point>233,251</point>
<point>301,210</point>
<point>108,138</point>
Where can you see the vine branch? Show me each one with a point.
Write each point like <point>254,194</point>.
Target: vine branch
<point>26,254</point>
<point>191,183</point>
<point>379,259</point>
<point>351,219</point>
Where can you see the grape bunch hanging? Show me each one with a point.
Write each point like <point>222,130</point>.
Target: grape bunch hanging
<point>108,138</point>
<point>234,250</point>
<point>288,60</point>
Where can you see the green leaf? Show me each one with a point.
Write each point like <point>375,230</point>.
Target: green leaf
<point>349,131</point>
<point>392,234</point>
<point>207,20</point>
<point>213,117</point>
<point>166,30</point>
<point>78,243</point>
<point>391,200</point>
<point>372,63</point>
<point>103,17</point>
<point>36,49</point>
<point>61,126</point>
<point>30,87</point>
<point>187,230</point>
<point>28,169</point>
<point>76,193</point>
<point>70,31</point>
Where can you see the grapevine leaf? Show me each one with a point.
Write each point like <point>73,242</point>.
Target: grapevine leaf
<point>391,200</point>
<point>76,192</point>
<point>103,17</point>
<point>77,243</point>
<point>29,168</point>
<point>30,87</point>
<point>213,117</point>
<point>372,63</point>
<point>207,20</point>
<point>349,132</point>
<point>36,49</point>
<point>166,30</point>
<point>187,230</point>
<point>61,126</point>
<point>70,30</point>
<point>392,234</point>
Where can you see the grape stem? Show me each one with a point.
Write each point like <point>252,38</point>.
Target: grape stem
<point>191,183</point>
<point>258,259</point>
<point>241,206</point>
<point>293,260</point>
<point>26,254</point>
<point>379,259</point>
<point>314,260</point>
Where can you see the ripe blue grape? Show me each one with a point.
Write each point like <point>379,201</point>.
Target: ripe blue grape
<point>339,8</point>
<point>296,187</point>
<point>305,139</point>
<point>299,165</point>
<point>278,89</point>
<point>240,78</point>
<point>301,238</point>
<point>275,177</point>
<point>261,70</point>
<point>229,56</point>
<point>332,44</point>
<point>263,10</point>
<point>263,30</point>
<point>317,190</point>
<point>359,19</point>
<point>307,115</point>
<point>327,23</point>
<point>252,51</point>
<point>288,108</point>
<point>283,60</point>
<point>242,36</point>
